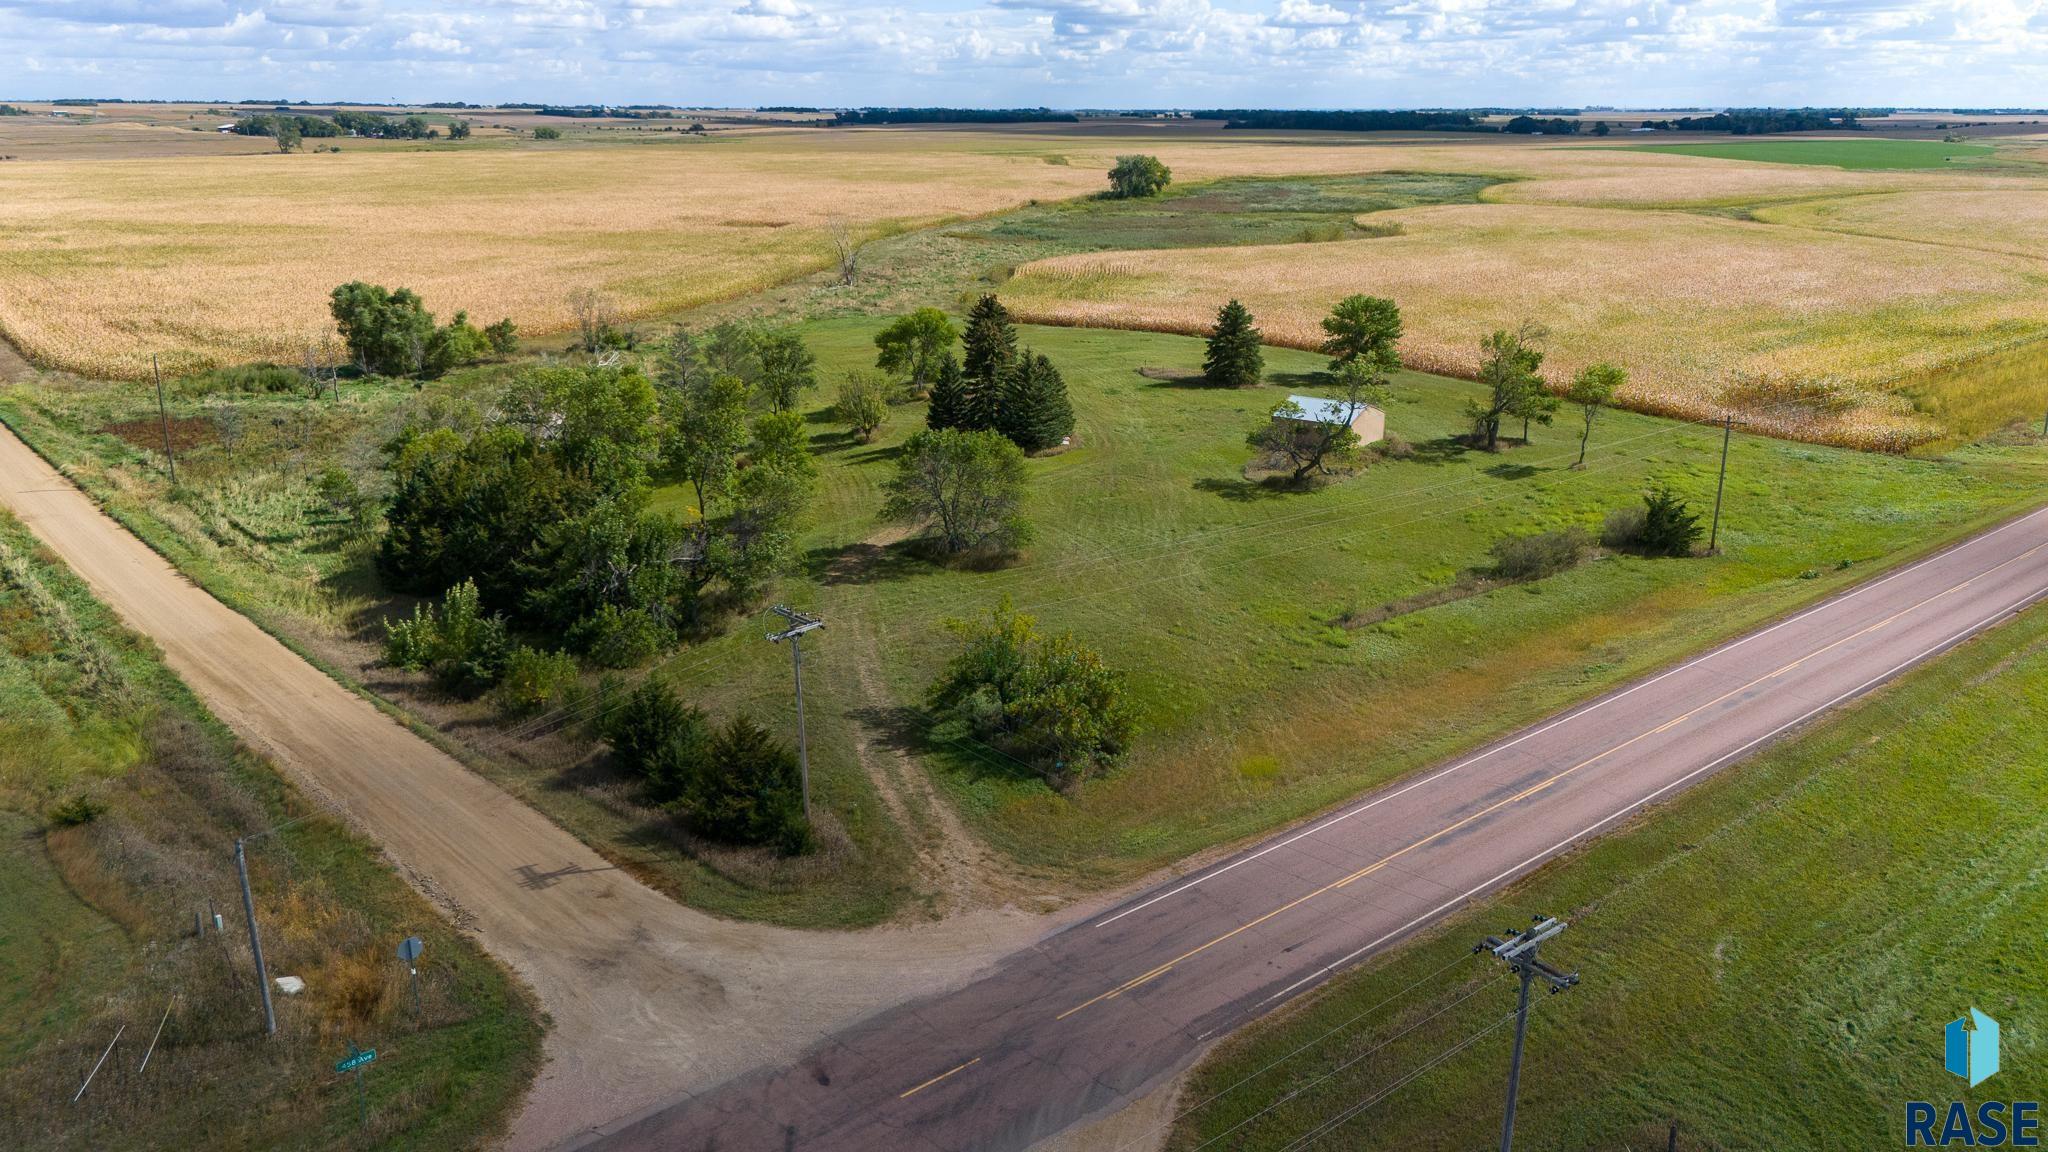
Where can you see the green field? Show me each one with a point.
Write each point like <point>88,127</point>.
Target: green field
<point>1849,154</point>
<point>1226,602</point>
<point>97,923</point>
<point>1770,961</point>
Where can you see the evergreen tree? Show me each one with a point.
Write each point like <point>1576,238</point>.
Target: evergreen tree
<point>991,348</point>
<point>1035,412</point>
<point>1234,360</point>
<point>949,397</point>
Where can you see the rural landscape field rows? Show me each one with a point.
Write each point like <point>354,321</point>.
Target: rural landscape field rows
<point>1011,629</point>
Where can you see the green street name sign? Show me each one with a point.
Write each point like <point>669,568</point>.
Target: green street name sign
<point>355,1060</point>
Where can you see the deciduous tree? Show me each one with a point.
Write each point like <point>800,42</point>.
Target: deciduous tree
<point>966,487</point>
<point>1364,328</point>
<point>914,346</point>
<point>1507,369</point>
<point>1593,389</point>
<point>863,403</point>
<point>1138,176</point>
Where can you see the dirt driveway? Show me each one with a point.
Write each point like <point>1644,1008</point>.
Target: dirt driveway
<point>649,1000</point>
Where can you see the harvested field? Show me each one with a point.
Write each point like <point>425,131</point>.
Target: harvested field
<point>1807,332</point>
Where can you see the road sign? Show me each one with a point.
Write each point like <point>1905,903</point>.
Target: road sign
<point>409,949</point>
<point>355,1060</point>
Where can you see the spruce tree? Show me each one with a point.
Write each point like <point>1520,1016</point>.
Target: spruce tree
<point>1234,359</point>
<point>949,397</point>
<point>991,349</point>
<point>1035,411</point>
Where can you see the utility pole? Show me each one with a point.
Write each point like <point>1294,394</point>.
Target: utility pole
<point>1728,423</point>
<point>255,941</point>
<point>163,419</point>
<point>1519,950</point>
<point>799,623</point>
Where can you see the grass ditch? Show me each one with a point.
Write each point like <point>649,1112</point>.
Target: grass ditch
<point>119,799</point>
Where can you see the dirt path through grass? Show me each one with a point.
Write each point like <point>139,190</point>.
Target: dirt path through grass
<point>648,999</point>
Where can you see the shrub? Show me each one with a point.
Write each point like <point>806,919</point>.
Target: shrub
<point>863,403</point>
<point>503,337</point>
<point>1047,701</point>
<point>1663,525</point>
<point>463,649</point>
<point>545,132</point>
<point>659,739</point>
<point>614,637</point>
<point>1623,528</point>
<point>79,809</point>
<point>534,679</point>
<point>747,790</point>
<point>1670,526</point>
<point>269,378</point>
<point>1539,554</point>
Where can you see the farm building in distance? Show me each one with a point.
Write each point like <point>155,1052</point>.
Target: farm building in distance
<point>1369,422</point>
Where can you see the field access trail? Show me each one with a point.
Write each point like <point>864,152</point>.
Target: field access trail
<point>647,998</point>
<point>1094,1016</point>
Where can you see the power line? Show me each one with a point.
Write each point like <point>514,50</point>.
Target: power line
<point>1337,1121</point>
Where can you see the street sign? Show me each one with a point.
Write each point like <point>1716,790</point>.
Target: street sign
<point>355,1060</point>
<point>409,949</point>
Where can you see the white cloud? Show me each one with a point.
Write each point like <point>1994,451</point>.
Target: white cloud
<point>1349,53</point>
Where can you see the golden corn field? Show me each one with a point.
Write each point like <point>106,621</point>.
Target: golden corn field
<point>1808,332</point>
<point>1805,295</point>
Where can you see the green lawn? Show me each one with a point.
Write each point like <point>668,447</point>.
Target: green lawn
<point>1223,600</point>
<point>97,931</point>
<point>1851,154</point>
<point>1771,960</point>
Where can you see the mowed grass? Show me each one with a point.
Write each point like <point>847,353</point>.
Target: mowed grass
<point>1808,333</point>
<point>97,923</point>
<point>1224,601</point>
<point>1855,155</point>
<point>1770,960</point>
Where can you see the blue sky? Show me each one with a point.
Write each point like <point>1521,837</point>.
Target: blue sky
<point>1068,53</point>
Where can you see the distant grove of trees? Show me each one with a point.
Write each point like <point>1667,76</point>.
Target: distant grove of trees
<point>1376,121</point>
<point>952,116</point>
<point>374,125</point>
<point>1761,121</point>
<point>1740,121</point>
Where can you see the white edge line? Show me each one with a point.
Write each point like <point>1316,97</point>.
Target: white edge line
<point>1568,841</point>
<point>1567,717</point>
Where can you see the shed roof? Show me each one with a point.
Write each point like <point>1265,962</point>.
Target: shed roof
<point>1317,410</point>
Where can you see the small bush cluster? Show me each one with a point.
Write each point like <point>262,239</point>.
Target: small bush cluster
<point>1046,701</point>
<point>736,783</point>
<point>534,680</point>
<point>1665,525</point>
<point>1539,554</point>
<point>461,647</point>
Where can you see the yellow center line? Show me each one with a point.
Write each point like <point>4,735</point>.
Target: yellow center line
<point>1533,789</point>
<point>939,1077</point>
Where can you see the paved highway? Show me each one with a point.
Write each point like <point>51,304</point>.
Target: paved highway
<point>1102,1011</point>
